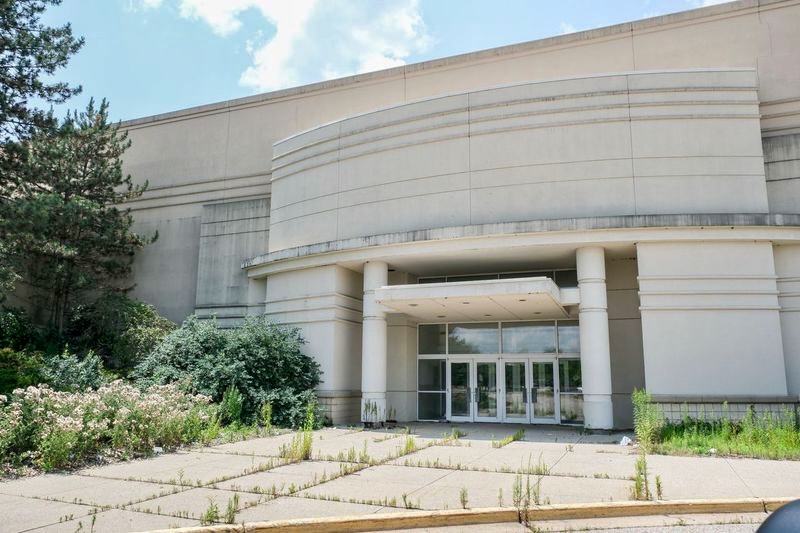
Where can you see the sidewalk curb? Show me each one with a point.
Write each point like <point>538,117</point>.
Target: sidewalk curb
<point>459,517</point>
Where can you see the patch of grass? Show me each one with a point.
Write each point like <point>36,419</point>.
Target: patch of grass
<point>765,436</point>
<point>518,435</point>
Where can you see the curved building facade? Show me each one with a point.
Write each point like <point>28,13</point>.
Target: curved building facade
<point>522,234</point>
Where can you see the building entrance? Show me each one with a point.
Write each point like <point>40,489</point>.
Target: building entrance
<point>543,386</point>
<point>519,390</point>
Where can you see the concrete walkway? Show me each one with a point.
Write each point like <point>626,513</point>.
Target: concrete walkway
<point>362,472</point>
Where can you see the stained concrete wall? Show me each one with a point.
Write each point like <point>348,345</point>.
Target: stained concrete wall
<point>401,373</point>
<point>787,268</point>
<point>228,232</point>
<point>222,152</point>
<point>671,142</point>
<point>625,336</point>
<point>326,304</point>
<point>782,166</point>
<point>710,319</point>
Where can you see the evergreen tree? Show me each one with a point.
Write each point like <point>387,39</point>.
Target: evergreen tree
<point>30,52</point>
<point>71,236</point>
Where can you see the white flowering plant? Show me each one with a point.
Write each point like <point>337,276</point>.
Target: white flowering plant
<point>50,429</point>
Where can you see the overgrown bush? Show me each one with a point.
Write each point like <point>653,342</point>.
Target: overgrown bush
<point>119,329</point>
<point>50,429</point>
<point>63,371</point>
<point>70,372</point>
<point>19,369</point>
<point>18,332</point>
<point>648,420</point>
<point>264,362</point>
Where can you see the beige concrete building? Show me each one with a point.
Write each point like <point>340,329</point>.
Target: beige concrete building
<point>521,234</point>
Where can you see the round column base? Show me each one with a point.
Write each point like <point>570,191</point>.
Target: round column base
<point>598,411</point>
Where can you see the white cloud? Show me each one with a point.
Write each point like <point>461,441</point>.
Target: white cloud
<point>314,40</point>
<point>567,28</point>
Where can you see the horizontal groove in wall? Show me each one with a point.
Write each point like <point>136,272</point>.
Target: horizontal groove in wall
<point>317,321</point>
<point>202,201</point>
<point>702,292</point>
<point>505,104</point>
<point>713,308</point>
<point>278,175</point>
<point>703,277</point>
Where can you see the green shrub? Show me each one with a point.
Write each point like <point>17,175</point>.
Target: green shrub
<point>230,408</point>
<point>263,361</point>
<point>19,369</point>
<point>69,372</point>
<point>18,332</point>
<point>120,329</point>
<point>648,420</point>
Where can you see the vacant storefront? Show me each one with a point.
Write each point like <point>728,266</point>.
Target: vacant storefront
<point>513,371</point>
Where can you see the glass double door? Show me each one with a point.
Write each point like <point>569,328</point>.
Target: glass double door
<point>473,392</point>
<point>531,391</point>
<point>507,390</point>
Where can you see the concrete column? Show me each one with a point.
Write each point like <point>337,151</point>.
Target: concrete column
<point>373,346</point>
<point>593,324</point>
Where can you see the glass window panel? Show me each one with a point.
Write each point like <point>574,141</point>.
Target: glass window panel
<point>432,375</point>
<point>543,391</point>
<point>569,373</point>
<point>486,389</point>
<point>431,339</point>
<point>460,387</point>
<point>571,408</point>
<point>475,277</point>
<point>529,337</point>
<point>536,274</point>
<point>431,280</point>
<point>473,338</point>
<point>567,278</point>
<point>569,340</point>
<point>571,398</point>
<point>516,384</point>
<point>432,405</point>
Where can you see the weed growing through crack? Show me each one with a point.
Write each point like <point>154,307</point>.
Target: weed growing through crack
<point>301,447</point>
<point>518,435</point>
<point>463,497</point>
<point>230,510</point>
<point>641,484</point>
<point>211,514</point>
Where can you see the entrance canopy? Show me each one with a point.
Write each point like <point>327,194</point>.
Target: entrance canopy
<point>485,300</point>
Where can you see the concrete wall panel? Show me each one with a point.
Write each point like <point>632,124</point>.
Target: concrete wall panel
<point>710,319</point>
<point>558,149</point>
<point>787,268</point>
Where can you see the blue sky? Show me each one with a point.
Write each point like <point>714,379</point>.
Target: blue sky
<point>153,56</point>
